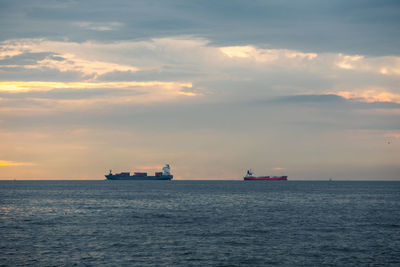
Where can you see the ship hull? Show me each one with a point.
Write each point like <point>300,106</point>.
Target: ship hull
<point>139,178</point>
<point>279,178</point>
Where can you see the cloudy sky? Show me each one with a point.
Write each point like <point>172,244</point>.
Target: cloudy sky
<point>310,89</point>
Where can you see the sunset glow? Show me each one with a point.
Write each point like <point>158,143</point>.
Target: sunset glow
<point>18,86</point>
<point>5,163</point>
<point>370,96</point>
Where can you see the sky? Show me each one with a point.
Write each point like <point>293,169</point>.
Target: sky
<point>309,88</point>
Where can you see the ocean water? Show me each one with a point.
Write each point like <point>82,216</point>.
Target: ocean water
<point>199,223</point>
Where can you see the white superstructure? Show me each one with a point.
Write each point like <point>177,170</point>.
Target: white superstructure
<point>166,170</point>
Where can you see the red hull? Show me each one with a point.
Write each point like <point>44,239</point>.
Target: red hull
<point>266,178</point>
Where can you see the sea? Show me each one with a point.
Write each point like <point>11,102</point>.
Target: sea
<point>199,223</point>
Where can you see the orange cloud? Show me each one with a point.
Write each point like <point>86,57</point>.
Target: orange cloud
<point>264,55</point>
<point>142,93</point>
<point>4,163</point>
<point>72,60</point>
<point>347,62</point>
<point>189,93</point>
<point>393,134</point>
<point>370,95</point>
<point>19,86</point>
<point>388,65</point>
<point>87,67</point>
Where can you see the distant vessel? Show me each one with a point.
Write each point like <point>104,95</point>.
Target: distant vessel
<point>164,175</point>
<point>250,177</point>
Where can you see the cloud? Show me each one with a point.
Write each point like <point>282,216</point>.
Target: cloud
<point>381,65</point>
<point>17,87</point>
<point>22,59</point>
<point>101,58</point>
<point>393,134</point>
<point>31,55</point>
<point>76,95</point>
<point>320,98</point>
<point>175,68</point>
<point>347,62</point>
<point>371,95</point>
<point>99,26</point>
<point>264,55</point>
<point>310,25</point>
<point>86,67</point>
<point>371,99</point>
<point>8,163</point>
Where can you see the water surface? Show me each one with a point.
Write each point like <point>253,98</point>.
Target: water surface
<point>199,223</point>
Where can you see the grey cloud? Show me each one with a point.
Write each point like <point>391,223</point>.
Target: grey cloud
<point>163,74</point>
<point>378,105</point>
<point>65,94</point>
<point>356,27</point>
<point>57,58</point>
<point>27,58</point>
<point>45,74</point>
<point>317,114</point>
<point>312,98</point>
<point>327,99</point>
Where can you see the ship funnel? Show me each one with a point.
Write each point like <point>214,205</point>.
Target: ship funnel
<point>166,170</point>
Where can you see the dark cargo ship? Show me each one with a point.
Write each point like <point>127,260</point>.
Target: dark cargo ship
<point>250,177</point>
<point>164,175</point>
